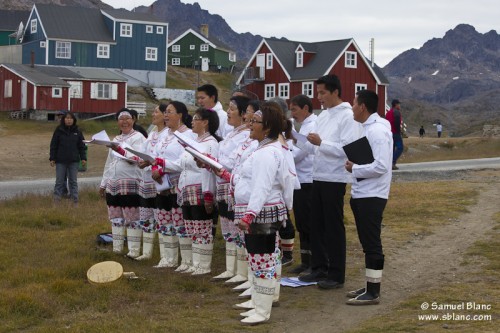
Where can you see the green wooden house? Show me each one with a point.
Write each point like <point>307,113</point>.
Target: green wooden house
<point>198,50</point>
<point>10,23</point>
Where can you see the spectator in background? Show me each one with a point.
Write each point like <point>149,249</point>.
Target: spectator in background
<point>439,129</point>
<point>396,120</point>
<point>66,150</point>
<point>421,131</point>
<point>207,97</point>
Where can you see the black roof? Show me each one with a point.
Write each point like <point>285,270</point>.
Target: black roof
<point>73,23</point>
<point>10,19</point>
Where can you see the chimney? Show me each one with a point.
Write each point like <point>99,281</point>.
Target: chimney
<point>372,51</point>
<point>32,59</point>
<point>204,30</point>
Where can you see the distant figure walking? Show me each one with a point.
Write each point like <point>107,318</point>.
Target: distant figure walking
<point>421,131</point>
<point>396,119</point>
<point>439,129</point>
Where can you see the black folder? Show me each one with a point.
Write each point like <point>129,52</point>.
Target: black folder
<point>359,151</point>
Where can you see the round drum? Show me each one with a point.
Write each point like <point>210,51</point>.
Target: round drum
<point>104,272</point>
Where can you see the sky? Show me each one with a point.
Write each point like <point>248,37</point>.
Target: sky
<point>395,25</point>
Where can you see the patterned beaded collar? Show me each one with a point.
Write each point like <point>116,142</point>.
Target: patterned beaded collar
<point>265,142</point>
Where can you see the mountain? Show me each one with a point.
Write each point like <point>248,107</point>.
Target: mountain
<point>182,17</point>
<point>457,75</point>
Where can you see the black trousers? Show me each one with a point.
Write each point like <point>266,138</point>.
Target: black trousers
<point>328,240</point>
<point>368,215</point>
<point>302,212</point>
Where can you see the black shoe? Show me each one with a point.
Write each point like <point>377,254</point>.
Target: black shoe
<point>356,293</point>
<point>330,284</point>
<point>299,269</point>
<point>314,276</point>
<point>366,298</point>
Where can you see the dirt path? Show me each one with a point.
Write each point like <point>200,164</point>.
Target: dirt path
<point>422,264</point>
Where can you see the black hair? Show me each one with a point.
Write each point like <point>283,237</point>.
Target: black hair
<point>369,98</point>
<point>123,110</point>
<point>395,102</point>
<point>162,107</point>
<point>213,121</point>
<point>272,119</point>
<point>331,83</point>
<point>302,101</point>
<point>210,90</point>
<point>181,108</point>
<point>255,104</point>
<point>241,102</point>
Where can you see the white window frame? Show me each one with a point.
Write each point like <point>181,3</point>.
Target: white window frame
<point>149,29</point>
<point>360,86</point>
<point>284,90</point>
<point>308,89</point>
<point>232,56</point>
<point>103,51</point>
<point>56,92</point>
<point>103,90</point>
<point>176,61</point>
<point>269,91</point>
<point>125,30</point>
<point>76,89</point>
<point>176,48</point>
<point>151,54</point>
<point>351,59</point>
<point>299,59</point>
<point>43,44</point>
<point>192,47</point>
<point>63,50</point>
<point>269,61</point>
<point>34,26</point>
<point>159,30</point>
<point>7,91</point>
<point>204,47</point>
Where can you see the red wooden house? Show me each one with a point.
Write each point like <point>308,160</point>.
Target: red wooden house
<point>48,89</point>
<point>282,68</point>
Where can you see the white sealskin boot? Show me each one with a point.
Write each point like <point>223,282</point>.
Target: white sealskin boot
<point>263,300</point>
<point>163,259</point>
<point>171,251</point>
<point>230,262</point>
<point>185,245</point>
<point>276,297</point>
<point>205,253</point>
<point>118,238</point>
<point>134,242</point>
<point>196,258</point>
<point>247,284</point>
<point>148,239</point>
<point>241,267</point>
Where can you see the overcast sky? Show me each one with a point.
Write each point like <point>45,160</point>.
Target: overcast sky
<point>396,25</point>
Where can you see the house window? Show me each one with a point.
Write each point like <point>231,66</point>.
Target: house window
<point>350,59</point>
<point>34,25</point>
<point>57,92</point>
<point>269,61</point>
<point>360,86</point>
<point>299,60</point>
<point>204,47</point>
<point>42,44</point>
<point>192,47</point>
<point>75,91</point>
<point>176,48</point>
<point>151,53</point>
<point>269,91</point>
<point>284,90</point>
<point>176,61</point>
<point>125,30</point>
<point>149,29</point>
<point>7,92</point>
<point>103,51</point>
<point>159,30</point>
<point>307,89</point>
<point>102,90</point>
<point>232,56</point>
<point>63,50</point>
